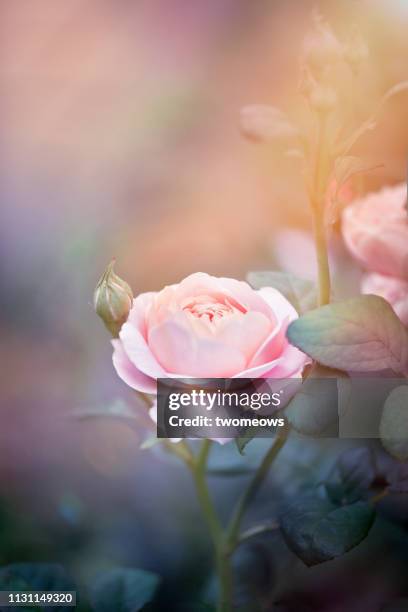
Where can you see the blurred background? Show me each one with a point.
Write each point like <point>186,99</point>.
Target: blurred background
<point>120,138</point>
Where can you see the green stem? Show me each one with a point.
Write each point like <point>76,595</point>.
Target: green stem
<point>199,474</point>
<point>323,269</point>
<point>182,450</point>
<point>225,543</point>
<point>318,209</point>
<point>223,566</point>
<point>257,530</point>
<point>251,491</point>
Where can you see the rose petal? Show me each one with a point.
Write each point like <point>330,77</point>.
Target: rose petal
<point>244,333</point>
<point>282,309</point>
<point>245,295</point>
<point>140,308</point>
<point>178,350</point>
<point>138,351</point>
<point>239,292</point>
<point>375,230</point>
<point>258,371</point>
<point>291,364</point>
<point>273,345</point>
<point>128,372</point>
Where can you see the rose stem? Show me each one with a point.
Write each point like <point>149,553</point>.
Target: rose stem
<point>225,542</point>
<point>224,571</point>
<point>317,205</point>
<point>252,490</point>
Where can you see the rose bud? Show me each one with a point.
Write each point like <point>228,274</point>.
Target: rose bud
<point>321,48</point>
<point>113,300</point>
<point>356,51</point>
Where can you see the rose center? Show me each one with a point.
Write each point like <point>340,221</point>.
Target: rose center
<point>208,308</point>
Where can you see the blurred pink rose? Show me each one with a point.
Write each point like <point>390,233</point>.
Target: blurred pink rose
<point>394,290</point>
<point>206,327</point>
<point>375,230</point>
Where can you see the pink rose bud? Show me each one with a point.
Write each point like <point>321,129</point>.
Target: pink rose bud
<point>356,51</point>
<point>375,230</point>
<point>113,300</point>
<point>264,123</point>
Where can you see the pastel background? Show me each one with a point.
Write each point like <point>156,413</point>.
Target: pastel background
<point>120,138</point>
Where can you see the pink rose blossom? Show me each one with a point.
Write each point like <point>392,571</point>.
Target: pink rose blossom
<point>206,327</point>
<point>375,229</point>
<point>394,290</point>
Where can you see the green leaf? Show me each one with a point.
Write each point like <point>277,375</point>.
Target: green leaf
<point>317,530</point>
<point>123,590</point>
<point>117,408</point>
<point>314,409</point>
<point>37,576</point>
<point>394,423</point>
<point>299,292</point>
<point>351,476</point>
<point>241,442</point>
<point>361,335</point>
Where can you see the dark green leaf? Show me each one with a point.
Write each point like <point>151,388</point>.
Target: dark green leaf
<point>38,576</point>
<point>362,335</point>
<point>317,530</point>
<point>123,590</point>
<point>245,439</point>
<point>351,476</point>
<point>314,410</point>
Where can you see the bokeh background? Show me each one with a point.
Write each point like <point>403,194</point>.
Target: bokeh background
<point>120,138</point>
